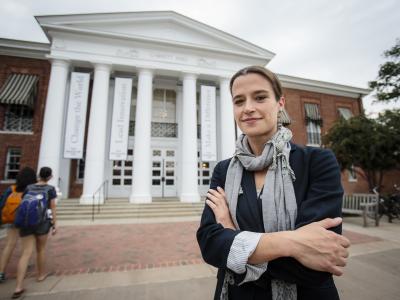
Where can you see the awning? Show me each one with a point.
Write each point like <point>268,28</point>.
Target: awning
<point>345,113</point>
<point>285,118</point>
<point>312,113</point>
<point>19,89</point>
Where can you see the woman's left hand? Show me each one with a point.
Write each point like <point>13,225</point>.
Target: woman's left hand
<point>216,200</point>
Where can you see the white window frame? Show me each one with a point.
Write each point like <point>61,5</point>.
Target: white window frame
<point>313,129</point>
<point>8,162</point>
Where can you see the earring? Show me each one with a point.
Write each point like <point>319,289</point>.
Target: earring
<point>280,112</point>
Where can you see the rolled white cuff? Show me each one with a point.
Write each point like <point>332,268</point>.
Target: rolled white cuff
<point>242,248</point>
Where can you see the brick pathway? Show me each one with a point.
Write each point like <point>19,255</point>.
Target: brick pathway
<point>107,248</point>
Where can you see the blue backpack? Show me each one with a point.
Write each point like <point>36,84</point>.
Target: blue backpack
<point>32,210</point>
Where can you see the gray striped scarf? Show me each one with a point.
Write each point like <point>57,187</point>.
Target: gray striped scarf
<point>279,207</point>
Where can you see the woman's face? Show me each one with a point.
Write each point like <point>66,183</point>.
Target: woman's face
<point>254,105</point>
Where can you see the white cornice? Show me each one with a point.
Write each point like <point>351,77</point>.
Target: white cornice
<point>153,41</point>
<point>24,48</point>
<point>322,86</point>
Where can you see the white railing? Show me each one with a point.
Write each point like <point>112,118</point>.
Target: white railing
<point>99,197</point>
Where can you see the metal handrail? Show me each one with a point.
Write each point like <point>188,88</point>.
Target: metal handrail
<point>102,190</point>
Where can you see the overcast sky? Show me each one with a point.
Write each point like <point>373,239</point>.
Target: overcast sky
<point>338,41</point>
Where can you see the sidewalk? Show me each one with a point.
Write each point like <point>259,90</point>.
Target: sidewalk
<point>162,261</point>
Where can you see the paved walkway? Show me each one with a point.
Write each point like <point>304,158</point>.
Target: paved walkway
<point>162,261</point>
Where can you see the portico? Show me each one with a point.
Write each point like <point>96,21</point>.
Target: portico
<point>168,57</point>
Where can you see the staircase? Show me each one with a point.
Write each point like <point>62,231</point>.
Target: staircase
<point>70,209</point>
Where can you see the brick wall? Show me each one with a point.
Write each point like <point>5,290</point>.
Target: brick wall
<point>29,143</point>
<point>295,99</point>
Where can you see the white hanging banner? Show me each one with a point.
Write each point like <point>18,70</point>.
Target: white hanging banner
<point>120,119</point>
<point>76,115</point>
<point>208,124</point>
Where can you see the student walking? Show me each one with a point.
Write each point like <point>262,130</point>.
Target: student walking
<point>35,231</point>
<point>9,203</point>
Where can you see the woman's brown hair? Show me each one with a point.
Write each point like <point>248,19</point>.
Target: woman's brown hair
<point>264,72</point>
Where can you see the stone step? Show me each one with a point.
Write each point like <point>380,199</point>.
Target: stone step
<point>70,209</point>
<point>108,204</point>
<point>128,215</point>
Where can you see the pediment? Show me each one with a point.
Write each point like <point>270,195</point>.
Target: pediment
<point>163,27</point>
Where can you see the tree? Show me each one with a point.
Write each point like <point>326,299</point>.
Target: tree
<point>387,85</point>
<point>369,144</point>
<point>390,119</point>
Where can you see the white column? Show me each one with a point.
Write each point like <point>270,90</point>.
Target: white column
<point>226,118</point>
<point>96,140</point>
<point>141,180</point>
<point>189,185</point>
<point>52,135</point>
<point>178,168</point>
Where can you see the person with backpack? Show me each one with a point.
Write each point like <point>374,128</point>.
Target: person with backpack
<point>35,217</point>
<point>9,203</point>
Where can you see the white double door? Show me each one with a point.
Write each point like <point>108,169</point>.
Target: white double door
<point>163,172</point>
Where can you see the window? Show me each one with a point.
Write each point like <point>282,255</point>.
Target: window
<point>80,169</point>
<point>12,163</point>
<point>352,174</point>
<point>18,118</point>
<point>314,123</point>
<point>122,170</point>
<point>164,106</point>
<point>345,113</point>
<point>18,94</point>
<point>313,133</point>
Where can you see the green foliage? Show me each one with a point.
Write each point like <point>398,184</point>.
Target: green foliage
<point>387,85</point>
<point>369,144</point>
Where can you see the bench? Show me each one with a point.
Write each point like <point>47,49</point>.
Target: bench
<point>362,204</point>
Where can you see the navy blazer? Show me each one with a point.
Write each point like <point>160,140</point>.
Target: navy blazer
<point>319,195</point>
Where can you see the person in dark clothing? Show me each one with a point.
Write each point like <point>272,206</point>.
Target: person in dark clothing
<point>272,221</point>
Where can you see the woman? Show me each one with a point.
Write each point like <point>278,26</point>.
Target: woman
<point>271,224</point>
<point>37,235</point>
<point>24,178</point>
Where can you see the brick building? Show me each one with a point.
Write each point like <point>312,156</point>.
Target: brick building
<point>164,60</point>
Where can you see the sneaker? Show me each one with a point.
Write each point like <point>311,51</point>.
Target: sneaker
<point>2,277</point>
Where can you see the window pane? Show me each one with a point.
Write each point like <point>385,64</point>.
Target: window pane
<point>205,165</point>
<point>170,164</point>
<point>128,172</point>
<point>156,181</point>
<point>169,182</point>
<point>12,163</point>
<point>127,181</point>
<point>156,164</point>
<point>169,173</point>
<point>18,118</point>
<point>116,181</point>
<point>116,172</point>
<point>156,173</point>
